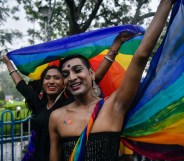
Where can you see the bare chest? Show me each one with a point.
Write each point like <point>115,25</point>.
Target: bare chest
<point>73,124</point>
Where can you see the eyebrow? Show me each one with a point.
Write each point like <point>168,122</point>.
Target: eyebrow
<point>77,65</point>
<point>53,74</point>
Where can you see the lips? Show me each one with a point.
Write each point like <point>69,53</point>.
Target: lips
<point>51,88</point>
<point>74,86</point>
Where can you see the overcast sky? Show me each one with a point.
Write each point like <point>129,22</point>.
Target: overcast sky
<point>22,25</point>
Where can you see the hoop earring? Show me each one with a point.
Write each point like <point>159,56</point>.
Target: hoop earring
<point>41,94</point>
<point>96,89</point>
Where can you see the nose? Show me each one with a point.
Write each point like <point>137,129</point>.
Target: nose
<point>72,76</point>
<point>51,80</point>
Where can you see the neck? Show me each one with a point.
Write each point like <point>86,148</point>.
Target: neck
<point>50,105</point>
<point>51,101</point>
<point>84,101</point>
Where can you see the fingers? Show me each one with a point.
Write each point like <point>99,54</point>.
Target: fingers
<point>130,36</point>
<point>2,54</point>
<point>127,33</point>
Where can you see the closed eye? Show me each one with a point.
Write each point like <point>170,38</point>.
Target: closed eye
<point>78,69</point>
<point>65,74</point>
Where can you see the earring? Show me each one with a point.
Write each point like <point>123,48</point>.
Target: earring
<point>96,89</point>
<point>65,94</point>
<point>41,94</point>
<point>60,95</point>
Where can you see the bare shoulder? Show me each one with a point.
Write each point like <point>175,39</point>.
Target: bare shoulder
<point>57,119</point>
<point>60,112</point>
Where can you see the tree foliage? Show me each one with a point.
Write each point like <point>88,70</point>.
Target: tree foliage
<point>69,17</point>
<point>2,95</point>
<point>7,85</point>
<point>7,36</point>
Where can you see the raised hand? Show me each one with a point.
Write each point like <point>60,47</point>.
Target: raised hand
<point>2,54</point>
<point>121,38</point>
<point>125,36</point>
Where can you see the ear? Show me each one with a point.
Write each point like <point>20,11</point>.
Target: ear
<point>92,73</point>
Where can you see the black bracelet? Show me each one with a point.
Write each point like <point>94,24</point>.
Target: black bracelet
<point>12,72</point>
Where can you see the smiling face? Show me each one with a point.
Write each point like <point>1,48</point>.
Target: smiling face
<point>53,82</point>
<point>77,77</point>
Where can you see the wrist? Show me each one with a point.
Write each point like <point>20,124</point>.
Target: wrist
<point>109,59</point>
<point>112,53</point>
<point>12,71</point>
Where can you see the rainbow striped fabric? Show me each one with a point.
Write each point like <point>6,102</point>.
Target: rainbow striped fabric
<point>155,125</point>
<point>80,146</point>
<point>31,61</point>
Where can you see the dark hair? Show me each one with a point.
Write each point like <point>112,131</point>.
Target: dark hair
<point>35,86</point>
<point>81,57</point>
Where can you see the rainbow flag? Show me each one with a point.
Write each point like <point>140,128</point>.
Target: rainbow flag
<point>155,125</point>
<point>31,61</point>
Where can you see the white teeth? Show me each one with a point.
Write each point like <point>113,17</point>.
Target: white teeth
<point>76,84</point>
<point>51,87</point>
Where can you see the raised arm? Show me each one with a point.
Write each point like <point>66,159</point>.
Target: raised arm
<point>126,93</point>
<point>111,55</point>
<point>12,71</point>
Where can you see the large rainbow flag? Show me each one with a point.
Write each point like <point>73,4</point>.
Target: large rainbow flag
<point>31,61</point>
<point>155,125</point>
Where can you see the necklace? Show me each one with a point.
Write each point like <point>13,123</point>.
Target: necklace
<point>50,106</point>
<point>57,98</point>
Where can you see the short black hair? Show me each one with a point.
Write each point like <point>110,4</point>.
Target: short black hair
<point>84,60</point>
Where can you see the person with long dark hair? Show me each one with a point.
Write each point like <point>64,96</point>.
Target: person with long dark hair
<point>50,94</point>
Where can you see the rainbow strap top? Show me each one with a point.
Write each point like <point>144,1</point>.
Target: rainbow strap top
<point>80,145</point>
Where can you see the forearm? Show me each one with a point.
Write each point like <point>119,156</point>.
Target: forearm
<point>112,53</point>
<point>13,72</point>
<point>105,65</point>
<point>131,82</point>
<point>156,26</point>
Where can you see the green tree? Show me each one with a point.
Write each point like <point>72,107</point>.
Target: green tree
<point>9,88</point>
<point>2,96</point>
<point>7,36</point>
<point>69,17</point>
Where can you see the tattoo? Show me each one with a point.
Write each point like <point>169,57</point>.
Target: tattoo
<point>67,121</point>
